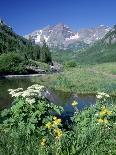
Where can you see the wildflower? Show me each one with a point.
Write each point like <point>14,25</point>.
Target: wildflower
<point>54,118</point>
<point>101,95</point>
<point>18,94</point>
<point>96,114</point>
<point>109,112</point>
<point>43,141</point>
<point>31,92</point>
<point>15,90</point>
<point>48,125</point>
<point>19,89</point>
<point>57,121</point>
<point>105,111</point>
<point>100,120</point>
<point>10,90</point>
<point>58,133</point>
<point>30,101</point>
<point>74,103</point>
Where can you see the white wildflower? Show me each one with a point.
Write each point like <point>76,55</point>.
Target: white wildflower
<point>96,114</point>
<point>18,94</point>
<point>107,95</point>
<point>19,89</point>
<point>30,101</point>
<point>99,96</point>
<point>34,91</point>
<point>10,89</point>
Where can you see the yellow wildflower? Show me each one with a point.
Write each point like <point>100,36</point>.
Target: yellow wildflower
<point>74,103</point>
<point>43,141</point>
<point>58,133</point>
<point>54,118</point>
<point>48,125</point>
<point>105,111</point>
<point>109,112</point>
<point>57,121</point>
<point>100,120</point>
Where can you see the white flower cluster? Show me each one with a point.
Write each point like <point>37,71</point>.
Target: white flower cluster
<point>15,92</point>
<point>101,95</point>
<point>33,92</point>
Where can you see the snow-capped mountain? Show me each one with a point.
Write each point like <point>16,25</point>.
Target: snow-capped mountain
<point>62,37</point>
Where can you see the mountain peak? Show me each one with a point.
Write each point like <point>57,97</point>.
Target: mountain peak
<point>61,36</point>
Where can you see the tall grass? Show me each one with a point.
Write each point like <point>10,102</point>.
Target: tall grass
<point>83,79</point>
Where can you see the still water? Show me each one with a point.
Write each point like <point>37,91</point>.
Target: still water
<point>61,98</point>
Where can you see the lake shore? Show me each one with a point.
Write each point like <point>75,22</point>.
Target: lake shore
<point>25,75</point>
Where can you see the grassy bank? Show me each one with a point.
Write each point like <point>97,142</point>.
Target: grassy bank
<point>83,79</point>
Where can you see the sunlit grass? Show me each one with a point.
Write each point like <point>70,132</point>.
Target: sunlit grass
<point>83,79</point>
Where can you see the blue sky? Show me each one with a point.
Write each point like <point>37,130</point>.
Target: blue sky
<point>28,15</point>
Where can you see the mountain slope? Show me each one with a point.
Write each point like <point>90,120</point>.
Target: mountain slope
<point>11,42</point>
<point>103,50</point>
<point>62,37</point>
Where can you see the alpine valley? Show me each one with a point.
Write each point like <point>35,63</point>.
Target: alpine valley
<point>58,82</point>
<point>70,110</point>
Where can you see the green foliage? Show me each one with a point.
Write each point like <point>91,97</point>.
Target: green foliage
<point>63,56</point>
<point>12,63</point>
<point>70,64</point>
<point>11,42</point>
<point>30,128</point>
<point>94,128</point>
<point>102,51</point>
<point>28,120</point>
<point>41,65</point>
<point>45,55</point>
<point>83,79</point>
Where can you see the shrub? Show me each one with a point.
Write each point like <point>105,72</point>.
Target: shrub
<point>70,64</point>
<point>11,63</point>
<point>39,64</point>
<point>30,121</point>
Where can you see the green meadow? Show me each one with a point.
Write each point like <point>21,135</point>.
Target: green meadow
<point>84,79</point>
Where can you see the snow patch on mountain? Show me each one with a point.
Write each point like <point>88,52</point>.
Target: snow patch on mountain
<point>75,37</point>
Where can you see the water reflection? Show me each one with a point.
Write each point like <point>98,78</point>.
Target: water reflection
<point>13,83</point>
<point>60,98</point>
<point>84,101</point>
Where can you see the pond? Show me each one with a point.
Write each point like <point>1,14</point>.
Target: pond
<point>60,98</point>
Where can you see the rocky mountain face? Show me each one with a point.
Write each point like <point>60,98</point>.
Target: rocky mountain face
<point>110,37</point>
<point>62,37</point>
<point>103,50</point>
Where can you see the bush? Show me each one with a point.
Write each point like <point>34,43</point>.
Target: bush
<point>38,64</point>
<point>70,64</point>
<point>11,63</point>
<point>29,123</point>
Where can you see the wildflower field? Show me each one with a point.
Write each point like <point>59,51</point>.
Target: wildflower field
<point>34,126</point>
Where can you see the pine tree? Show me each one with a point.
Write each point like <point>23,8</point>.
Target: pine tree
<point>45,55</point>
